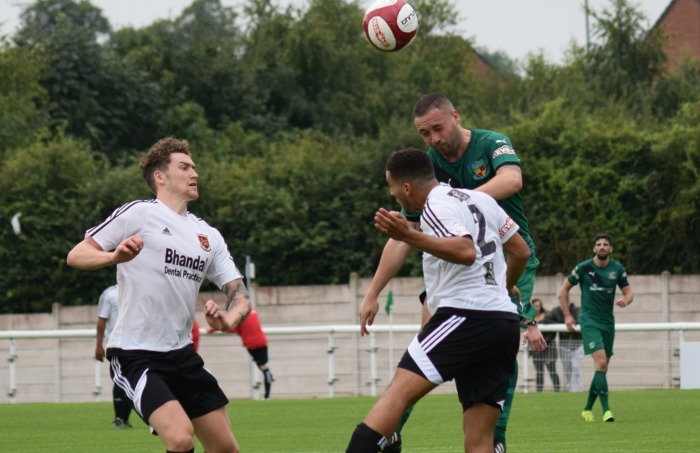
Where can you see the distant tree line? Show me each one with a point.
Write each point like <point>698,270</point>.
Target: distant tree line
<point>291,116</point>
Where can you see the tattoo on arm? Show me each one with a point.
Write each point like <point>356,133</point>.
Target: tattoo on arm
<point>236,293</point>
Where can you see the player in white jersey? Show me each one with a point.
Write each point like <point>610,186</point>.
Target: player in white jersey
<point>163,254</point>
<point>472,329</point>
<point>107,311</point>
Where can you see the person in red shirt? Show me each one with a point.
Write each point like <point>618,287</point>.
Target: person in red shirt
<point>194,335</point>
<point>255,341</point>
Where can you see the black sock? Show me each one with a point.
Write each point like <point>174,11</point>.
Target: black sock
<point>366,440</point>
<point>122,403</point>
<point>188,451</point>
<point>268,382</point>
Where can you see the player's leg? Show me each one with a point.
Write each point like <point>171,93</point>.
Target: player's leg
<point>122,407</point>
<point>380,423</point>
<point>259,356</point>
<point>479,422</point>
<point>214,432</point>
<point>173,426</point>
<point>602,362</point>
<point>526,284</point>
<point>594,346</point>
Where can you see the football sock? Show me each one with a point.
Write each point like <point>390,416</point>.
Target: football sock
<point>268,382</point>
<point>602,383</point>
<point>188,451</point>
<point>404,418</point>
<point>366,440</point>
<point>502,423</point>
<point>592,394</point>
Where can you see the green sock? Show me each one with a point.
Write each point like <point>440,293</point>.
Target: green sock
<point>592,394</point>
<point>502,422</point>
<point>602,384</point>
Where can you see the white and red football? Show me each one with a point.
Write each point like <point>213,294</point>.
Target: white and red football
<point>390,25</point>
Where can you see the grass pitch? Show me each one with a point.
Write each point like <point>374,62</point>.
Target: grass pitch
<point>646,421</point>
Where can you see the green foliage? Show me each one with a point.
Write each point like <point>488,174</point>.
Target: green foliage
<point>40,183</point>
<point>291,115</point>
<point>22,98</point>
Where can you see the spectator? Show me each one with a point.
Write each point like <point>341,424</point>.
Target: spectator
<point>548,357</point>
<point>570,348</point>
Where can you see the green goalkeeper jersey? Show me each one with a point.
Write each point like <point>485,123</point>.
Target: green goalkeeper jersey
<point>598,291</point>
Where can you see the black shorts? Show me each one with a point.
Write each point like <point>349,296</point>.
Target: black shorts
<point>151,379</point>
<point>259,356</point>
<point>474,348</point>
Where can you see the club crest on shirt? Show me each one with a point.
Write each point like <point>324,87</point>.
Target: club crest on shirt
<point>612,276</point>
<point>480,170</point>
<point>204,242</point>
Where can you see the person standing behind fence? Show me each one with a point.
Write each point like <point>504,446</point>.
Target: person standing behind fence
<point>598,277</point>
<point>163,254</point>
<point>570,348</point>
<point>548,357</point>
<point>107,311</point>
<point>255,341</point>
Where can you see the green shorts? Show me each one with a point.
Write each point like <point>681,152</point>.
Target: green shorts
<point>596,338</point>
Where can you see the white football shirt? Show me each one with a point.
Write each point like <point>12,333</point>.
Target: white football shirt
<point>158,288</point>
<point>451,212</point>
<point>107,309</point>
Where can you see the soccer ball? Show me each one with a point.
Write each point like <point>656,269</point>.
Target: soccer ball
<point>390,25</point>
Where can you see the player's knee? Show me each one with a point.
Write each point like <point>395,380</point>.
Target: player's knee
<point>179,441</point>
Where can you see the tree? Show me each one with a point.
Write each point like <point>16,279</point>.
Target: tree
<point>22,98</point>
<point>624,60</point>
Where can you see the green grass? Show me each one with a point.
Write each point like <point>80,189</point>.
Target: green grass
<point>646,421</point>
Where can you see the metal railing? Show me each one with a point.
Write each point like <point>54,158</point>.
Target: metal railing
<point>350,359</point>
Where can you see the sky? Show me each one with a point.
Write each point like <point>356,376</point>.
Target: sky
<point>515,27</point>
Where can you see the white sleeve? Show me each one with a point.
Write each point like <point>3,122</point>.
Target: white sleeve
<point>222,269</point>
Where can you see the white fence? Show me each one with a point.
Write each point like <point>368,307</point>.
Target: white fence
<point>316,361</point>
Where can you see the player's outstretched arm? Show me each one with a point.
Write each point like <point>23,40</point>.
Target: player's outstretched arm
<point>393,256</point>
<point>88,255</point>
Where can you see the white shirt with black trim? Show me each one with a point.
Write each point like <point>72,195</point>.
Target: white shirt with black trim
<point>451,212</point>
<point>158,288</point>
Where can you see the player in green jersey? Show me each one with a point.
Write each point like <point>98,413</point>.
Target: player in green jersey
<point>598,277</point>
<point>474,159</point>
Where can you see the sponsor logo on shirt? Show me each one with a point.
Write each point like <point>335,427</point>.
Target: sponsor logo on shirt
<point>507,226</point>
<point>166,231</point>
<point>197,264</point>
<point>505,149</point>
<point>458,194</point>
<point>479,169</point>
<point>595,287</point>
<point>204,242</point>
